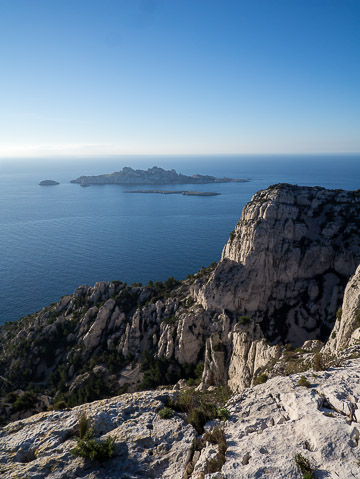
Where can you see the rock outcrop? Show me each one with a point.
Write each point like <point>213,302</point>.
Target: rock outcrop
<point>346,331</point>
<point>270,429</point>
<point>145,445</point>
<point>271,423</point>
<point>288,260</point>
<point>151,176</point>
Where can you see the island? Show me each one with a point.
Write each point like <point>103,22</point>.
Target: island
<point>48,183</point>
<point>176,192</point>
<point>151,176</point>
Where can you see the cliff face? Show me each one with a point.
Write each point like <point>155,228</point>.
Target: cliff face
<point>346,331</point>
<point>288,260</point>
<point>281,279</point>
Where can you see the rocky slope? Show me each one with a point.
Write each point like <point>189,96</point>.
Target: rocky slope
<point>151,176</point>
<point>270,429</point>
<point>280,280</point>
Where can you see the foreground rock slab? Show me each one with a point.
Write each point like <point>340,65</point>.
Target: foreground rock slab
<point>145,445</point>
<point>271,423</point>
<point>268,425</point>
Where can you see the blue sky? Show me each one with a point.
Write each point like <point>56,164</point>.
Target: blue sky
<point>90,77</point>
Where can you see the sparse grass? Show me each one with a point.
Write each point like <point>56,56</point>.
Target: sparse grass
<point>295,365</point>
<point>84,425</point>
<point>216,436</point>
<point>307,471</point>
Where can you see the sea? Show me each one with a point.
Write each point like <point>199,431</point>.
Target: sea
<point>55,238</point>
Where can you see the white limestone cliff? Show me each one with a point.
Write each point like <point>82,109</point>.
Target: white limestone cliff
<point>346,331</point>
<point>288,260</point>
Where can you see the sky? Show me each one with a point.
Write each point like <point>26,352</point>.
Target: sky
<point>112,77</point>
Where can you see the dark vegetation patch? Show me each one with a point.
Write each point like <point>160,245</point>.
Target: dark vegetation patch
<point>162,372</point>
<point>201,407</point>
<point>88,447</point>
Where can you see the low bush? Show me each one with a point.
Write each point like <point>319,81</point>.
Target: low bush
<point>244,320</point>
<point>223,413</point>
<point>307,471</point>
<point>261,379</point>
<point>318,362</point>
<point>303,382</point>
<point>25,401</point>
<point>84,426</point>
<point>93,449</point>
<point>201,407</point>
<point>216,436</point>
<point>88,447</point>
<point>166,413</point>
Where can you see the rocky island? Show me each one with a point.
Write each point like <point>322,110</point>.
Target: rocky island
<point>48,183</point>
<point>151,176</point>
<point>248,369</point>
<point>172,192</point>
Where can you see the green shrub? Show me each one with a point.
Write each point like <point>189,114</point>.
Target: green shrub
<point>170,320</point>
<point>307,471</point>
<point>216,436</point>
<point>93,449</point>
<point>166,413</point>
<point>318,362</point>
<point>199,408</point>
<point>299,350</point>
<point>303,382</point>
<point>88,447</point>
<point>223,413</point>
<point>11,397</point>
<point>198,417</point>
<point>190,301</point>
<point>25,401</point>
<point>261,379</point>
<point>60,405</point>
<point>338,314</point>
<point>84,425</point>
<point>244,320</point>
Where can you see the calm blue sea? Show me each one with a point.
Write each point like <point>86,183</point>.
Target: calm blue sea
<point>55,238</point>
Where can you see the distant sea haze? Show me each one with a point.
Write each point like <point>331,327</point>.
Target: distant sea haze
<point>56,238</point>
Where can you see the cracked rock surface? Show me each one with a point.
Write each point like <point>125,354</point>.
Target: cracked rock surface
<point>268,425</point>
<point>272,422</point>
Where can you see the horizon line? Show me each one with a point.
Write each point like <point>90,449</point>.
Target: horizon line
<point>181,155</point>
